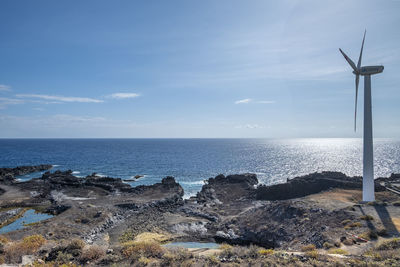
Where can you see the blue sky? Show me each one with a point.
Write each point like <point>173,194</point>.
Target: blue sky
<point>194,68</point>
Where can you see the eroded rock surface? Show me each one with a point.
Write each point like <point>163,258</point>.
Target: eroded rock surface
<point>7,175</point>
<point>233,209</point>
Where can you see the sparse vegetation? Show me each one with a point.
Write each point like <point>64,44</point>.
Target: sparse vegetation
<point>328,245</point>
<point>309,247</point>
<point>353,225</point>
<point>13,251</point>
<point>337,251</point>
<point>152,237</point>
<point>367,218</point>
<point>92,253</point>
<point>266,252</point>
<point>389,244</point>
<point>313,254</point>
<point>145,249</point>
<point>345,222</point>
<point>382,232</point>
<point>369,235</point>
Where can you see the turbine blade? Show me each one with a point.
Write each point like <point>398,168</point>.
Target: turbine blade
<point>362,47</point>
<point>349,60</point>
<point>355,109</point>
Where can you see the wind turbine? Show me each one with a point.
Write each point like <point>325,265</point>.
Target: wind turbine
<point>368,158</point>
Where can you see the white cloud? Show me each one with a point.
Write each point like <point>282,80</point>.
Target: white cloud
<point>124,95</point>
<point>4,87</point>
<point>61,98</point>
<point>243,101</point>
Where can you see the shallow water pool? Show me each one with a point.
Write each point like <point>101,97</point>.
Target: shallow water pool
<point>30,216</point>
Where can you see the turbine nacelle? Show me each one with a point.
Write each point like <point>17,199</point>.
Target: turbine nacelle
<point>369,70</point>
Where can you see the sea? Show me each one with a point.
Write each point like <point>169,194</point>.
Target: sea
<point>191,161</point>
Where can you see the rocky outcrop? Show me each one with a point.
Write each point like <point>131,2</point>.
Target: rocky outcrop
<point>310,184</point>
<point>229,188</point>
<point>7,175</point>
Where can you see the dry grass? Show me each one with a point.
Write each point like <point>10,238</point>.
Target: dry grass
<point>369,235</point>
<point>76,244</point>
<point>353,225</point>
<point>92,253</point>
<point>337,251</point>
<point>145,249</point>
<point>4,240</point>
<point>393,243</point>
<point>367,218</point>
<point>152,237</point>
<point>309,247</point>
<point>266,252</point>
<point>345,222</point>
<point>13,251</point>
<point>328,245</point>
<point>176,256</point>
<point>313,254</point>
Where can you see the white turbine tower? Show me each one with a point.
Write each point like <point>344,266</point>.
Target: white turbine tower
<point>368,157</point>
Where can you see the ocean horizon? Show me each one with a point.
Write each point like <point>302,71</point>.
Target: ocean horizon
<point>192,160</point>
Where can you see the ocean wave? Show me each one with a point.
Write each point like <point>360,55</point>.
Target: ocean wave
<point>189,195</point>
<point>193,183</point>
<point>76,172</point>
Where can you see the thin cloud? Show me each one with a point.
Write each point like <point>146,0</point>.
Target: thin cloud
<point>61,98</point>
<point>5,101</point>
<point>4,87</point>
<point>243,101</point>
<point>124,95</point>
<point>265,102</point>
<point>249,100</point>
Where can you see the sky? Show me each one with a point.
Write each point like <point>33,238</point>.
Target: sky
<point>195,69</point>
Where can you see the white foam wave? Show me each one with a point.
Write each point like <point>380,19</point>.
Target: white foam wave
<point>194,183</point>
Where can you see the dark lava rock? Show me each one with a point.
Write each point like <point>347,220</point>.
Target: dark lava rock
<point>310,184</point>
<point>229,188</point>
<point>106,183</point>
<point>7,175</point>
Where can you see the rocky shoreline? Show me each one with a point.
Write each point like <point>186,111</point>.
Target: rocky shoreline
<point>231,209</point>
